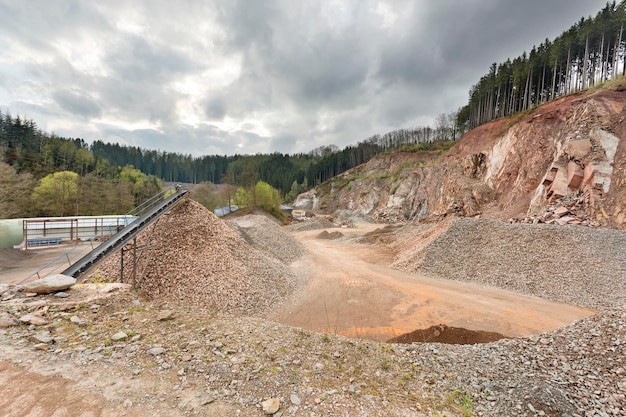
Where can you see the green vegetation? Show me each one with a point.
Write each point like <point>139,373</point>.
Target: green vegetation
<point>104,178</point>
<point>461,402</point>
<point>262,196</point>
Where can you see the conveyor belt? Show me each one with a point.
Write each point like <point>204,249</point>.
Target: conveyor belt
<point>121,238</point>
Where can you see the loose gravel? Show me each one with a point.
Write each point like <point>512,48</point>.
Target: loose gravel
<point>572,264</point>
<point>193,257</point>
<point>311,223</point>
<point>195,361</point>
<point>268,236</point>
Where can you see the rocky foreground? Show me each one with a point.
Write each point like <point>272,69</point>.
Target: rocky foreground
<point>166,358</point>
<point>190,362</point>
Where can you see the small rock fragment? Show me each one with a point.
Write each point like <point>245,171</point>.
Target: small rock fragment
<point>271,405</point>
<point>7,322</point>
<point>41,337</point>
<point>119,336</point>
<point>156,351</point>
<point>165,315</point>
<point>41,346</point>
<point>33,319</point>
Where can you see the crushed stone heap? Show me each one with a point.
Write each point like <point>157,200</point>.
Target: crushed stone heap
<point>313,223</point>
<point>191,256</point>
<point>268,236</point>
<point>571,264</point>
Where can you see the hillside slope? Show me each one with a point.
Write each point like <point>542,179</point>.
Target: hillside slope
<point>564,162</point>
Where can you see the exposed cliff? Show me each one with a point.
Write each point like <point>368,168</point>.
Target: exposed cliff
<point>563,162</point>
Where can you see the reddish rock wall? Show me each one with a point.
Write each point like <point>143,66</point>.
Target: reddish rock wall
<point>568,155</point>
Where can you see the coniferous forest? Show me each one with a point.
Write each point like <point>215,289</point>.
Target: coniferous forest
<point>107,178</point>
<point>592,51</point>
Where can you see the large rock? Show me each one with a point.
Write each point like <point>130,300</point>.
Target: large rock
<point>52,283</point>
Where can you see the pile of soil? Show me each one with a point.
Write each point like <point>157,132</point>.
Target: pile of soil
<point>450,335</point>
<point>10,257</point>
<point>191,256</point>
<point>383,235</point>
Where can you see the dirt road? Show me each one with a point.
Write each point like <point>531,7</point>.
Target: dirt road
<point>350,291</point>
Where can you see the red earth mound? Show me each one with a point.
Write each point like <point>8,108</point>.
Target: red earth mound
<point>450,335</point>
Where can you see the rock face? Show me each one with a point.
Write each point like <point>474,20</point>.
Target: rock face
<point>49,284</point>
<point>572,147</point>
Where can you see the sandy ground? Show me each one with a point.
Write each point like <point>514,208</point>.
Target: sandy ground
<point>350,291</point>
<point>43,390</point>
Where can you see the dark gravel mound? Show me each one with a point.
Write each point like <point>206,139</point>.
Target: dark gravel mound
<point>450,335</point>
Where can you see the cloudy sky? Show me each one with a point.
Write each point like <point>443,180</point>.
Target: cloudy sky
<point>248,76</point>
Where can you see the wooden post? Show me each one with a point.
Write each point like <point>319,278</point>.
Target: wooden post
<point>122,266</point>
<point>134,262</point>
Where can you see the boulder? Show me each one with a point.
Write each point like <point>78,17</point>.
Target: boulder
<point>49,284</point>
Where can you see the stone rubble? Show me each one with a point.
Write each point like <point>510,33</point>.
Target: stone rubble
<point>313,223</point>
<point>206,362</point>
<point>219,364</point>
<point>266,235</point>
<point>575,209</point>
<point>571,264</point>
<point>191,256</point>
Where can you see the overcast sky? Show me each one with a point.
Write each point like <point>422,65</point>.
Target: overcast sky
<point>226,76</point>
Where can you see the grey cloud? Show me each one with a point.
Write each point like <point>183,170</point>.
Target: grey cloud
<point>35,23</point>
<point>249,22</point>
<point>135,101</point>
<point>215,108</point>
<point>137,60</point>
<point>287,143</point>
<point>77,103</point>
<point>312,72</point>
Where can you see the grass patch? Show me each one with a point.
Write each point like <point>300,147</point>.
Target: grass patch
<point>461,402</point>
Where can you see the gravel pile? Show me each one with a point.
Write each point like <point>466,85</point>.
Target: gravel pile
<point>193,257</point>
<point>311,223</point>
<point>267,235</point>
<point>572,264</point>
<point>330,236</point>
